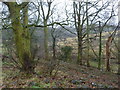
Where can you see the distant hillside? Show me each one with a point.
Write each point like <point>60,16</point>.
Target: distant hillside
<point>38,33</point>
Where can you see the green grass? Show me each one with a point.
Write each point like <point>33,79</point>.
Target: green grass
<point>94,64</point>
<point>114,67</point>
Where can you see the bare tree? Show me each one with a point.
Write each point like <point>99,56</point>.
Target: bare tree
<point>45,21</point>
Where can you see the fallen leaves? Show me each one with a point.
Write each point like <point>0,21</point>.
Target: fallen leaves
<point>66,78</point>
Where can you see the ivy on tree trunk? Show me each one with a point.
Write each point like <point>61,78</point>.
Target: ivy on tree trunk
<point>21,36</point>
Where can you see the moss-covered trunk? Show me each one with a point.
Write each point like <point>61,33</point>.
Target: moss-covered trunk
<point>22,37</point>
<point>46,40</point>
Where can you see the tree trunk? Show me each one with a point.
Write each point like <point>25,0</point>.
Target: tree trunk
<point>22,38</point>
<point>46,40</point>
<point>100,47</point>
<point>100,51</point>
<point>88,49</point>
<point>107,56</point>
<point>54,48</point>
<point>79,59</point>
<point>88,43</point>
<point>78,26</point>
<point>119,53</point>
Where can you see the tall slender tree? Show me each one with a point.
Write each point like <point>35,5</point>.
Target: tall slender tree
<point>45,22</point>
<point>78,26</point>
<point>100,46</point>
<point>88,31</point>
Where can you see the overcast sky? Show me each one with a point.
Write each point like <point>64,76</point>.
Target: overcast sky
<point>61,5</point>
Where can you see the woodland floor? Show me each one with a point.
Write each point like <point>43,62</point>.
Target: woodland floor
<point>68,76</point>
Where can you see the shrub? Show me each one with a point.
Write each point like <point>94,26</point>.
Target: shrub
<point>66,53</point>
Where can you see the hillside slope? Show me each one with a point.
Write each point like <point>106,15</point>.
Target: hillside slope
<point>68,76</point>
